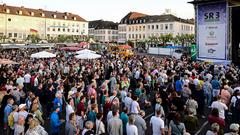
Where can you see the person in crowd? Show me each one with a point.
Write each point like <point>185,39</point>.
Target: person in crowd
<point>235,102</point>
<point>131,128</point>
<point>7,110</point>
<point>157,124</point>
<point>19,126</point>
<point>140,123</point>
<point>214,129</point>
<point>100,127</point>
<point>124,118</point>
<point>216,87</point>
<point>214,118</point>
<point>234,129</point>
<point>22,110</point>
<point>36,111</point>
<point>135,108</point>
<point>220,106</point>
<point>69,108</point>
<point>71,127</point>
<point>35,128</point>
<point>192,105</point>
<point>115,126</point>
<point>207,88</point>
<point>92,113</point>
<point>191,122</point>
<point>55,122</point>
<point>176,127</point>
<point>88,128</point>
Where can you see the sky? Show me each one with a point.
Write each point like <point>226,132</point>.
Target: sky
<point>111,10</point>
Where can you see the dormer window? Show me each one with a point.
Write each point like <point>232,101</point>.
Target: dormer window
<point>7,11</point>
<point>74,18</point>
<point>32,13</point>
<point>54,16</point>
<point>19,12</point>
<point>42,14</point>
<point>65,17</point>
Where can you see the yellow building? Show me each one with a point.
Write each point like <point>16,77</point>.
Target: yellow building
<point>19,22</point>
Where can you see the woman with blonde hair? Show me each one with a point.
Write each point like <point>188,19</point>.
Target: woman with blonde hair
<point>36,111</point>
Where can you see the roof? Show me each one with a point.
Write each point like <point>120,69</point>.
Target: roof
<point>101,24</point>
<point>39,13</point>
<point>206,1</point>
<point>155,18</point>
<point>132,15</point>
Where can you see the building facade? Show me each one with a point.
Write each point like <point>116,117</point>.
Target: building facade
<point>103,31</point>
<point>139,27</point>
<point>19,22</point>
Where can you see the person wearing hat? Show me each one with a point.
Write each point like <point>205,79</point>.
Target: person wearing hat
<point>22,110</point>
<point>234,129</point>
<point>55,122</point>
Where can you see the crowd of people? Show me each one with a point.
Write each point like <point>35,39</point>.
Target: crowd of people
<point>111,95</point>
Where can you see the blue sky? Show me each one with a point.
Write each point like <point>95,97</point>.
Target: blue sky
<point>112,10</point>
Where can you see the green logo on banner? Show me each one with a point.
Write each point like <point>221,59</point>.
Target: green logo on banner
<point>193,52</point>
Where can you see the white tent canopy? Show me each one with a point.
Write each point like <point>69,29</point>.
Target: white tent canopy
<point>85,51</point>
<point>88,56</point>
<point>43,54</point>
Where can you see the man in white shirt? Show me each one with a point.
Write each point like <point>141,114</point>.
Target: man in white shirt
<point>135,108</point>
<point>157,124</point>
<point>69,108</point>
<point>131,128</point>
<point>20,80</point>
<point>27,81</point>
<point>220,106</point>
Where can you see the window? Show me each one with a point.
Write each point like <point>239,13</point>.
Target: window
<point>171,26</point>
<point>9,19</point>
<point>140,28</point>
<point>73,25</point>
<point>136,36</point>
<point>140,36</point>
<point>166,26</point>
<point>182,27</point>
<point>77,30</point>
<point>157,27</point>
<point>161,26</point>
<point>53,29</point>
<point>129,35</point>
<point>143,28</point>
<point>136,28</point>
<point>59,29</point>
<point>77,25</point>
<point>63,29</point>
<point>149,27</point>
<point>68,30</point>
<point>132,35</point>
<point>20,35</point>
<point>152,27</point>
<point>9,34</point>
<point>109,32</point>
<point>143,36</point>
<point>72,30</point>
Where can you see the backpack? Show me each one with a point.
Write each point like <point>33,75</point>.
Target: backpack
<point>11,120</point>
<point>237,104</point>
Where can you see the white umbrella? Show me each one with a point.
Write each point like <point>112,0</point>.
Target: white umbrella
<point>88,56</point>
<point>85,51</point>
<point>43,54</point>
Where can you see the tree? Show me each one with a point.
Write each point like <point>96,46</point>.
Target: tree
<point>34,38</point>
<point>129,42</point>
<point>184,39</point>
<point>166,38</point>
